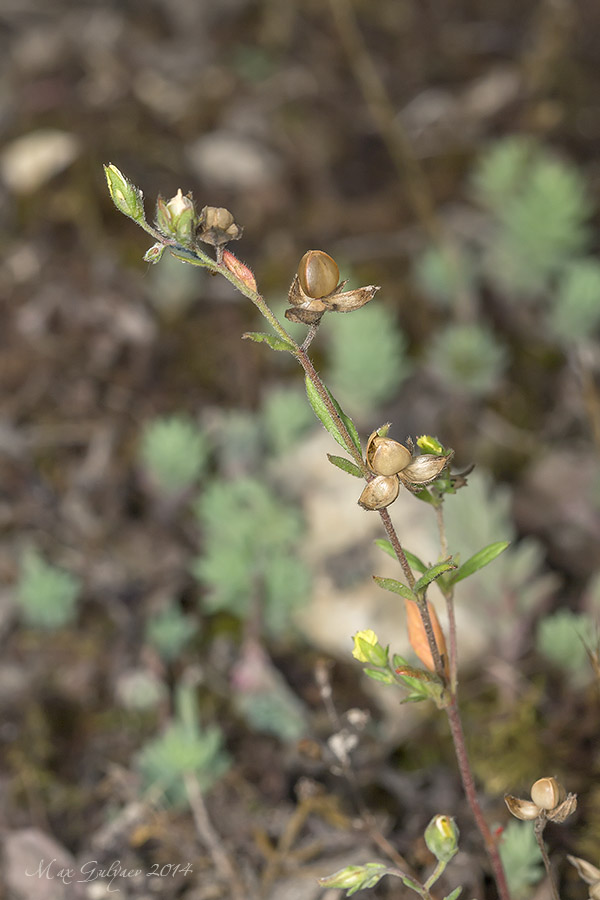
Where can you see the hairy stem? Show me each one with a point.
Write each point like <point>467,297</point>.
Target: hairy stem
<point>468,783</point>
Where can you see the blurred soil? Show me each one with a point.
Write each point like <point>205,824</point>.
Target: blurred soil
<point>253,106</point>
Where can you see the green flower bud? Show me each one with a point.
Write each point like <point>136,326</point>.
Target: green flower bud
<point>177,217</point>
<point>154,254</point>
<point>355,878</point>
<point>368,649</point>
<point>441,837</point>
<point>126,196</point>
<point>429,444</point>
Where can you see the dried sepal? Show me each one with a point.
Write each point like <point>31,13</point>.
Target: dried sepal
<point>380,492</point>
<point>563,810</point>
<point>303,316</point>
<point>589,873</point>
<point>217,226</point>
<point>423,469</point>
<point>522,809</point>
<point>315,287</point>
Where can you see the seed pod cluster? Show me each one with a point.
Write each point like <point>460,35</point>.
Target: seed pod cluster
<point>549,800</point>
<point>317,288</point>
<point>392,463</point>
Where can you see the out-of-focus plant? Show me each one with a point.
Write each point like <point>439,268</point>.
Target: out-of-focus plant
<point>366,358</point>
<point>169,632</point>
<point>47,596</point>
<point>174,451</point>
<point>522,859</point>
<point>250,553</point>
<point>561,639</point>
<point>468,358</point>
<point>184,748</point>
<point>539,209</point>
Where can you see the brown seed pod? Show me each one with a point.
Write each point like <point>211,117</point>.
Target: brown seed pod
<point>522,809</point>
<point>385,456</point>
<point>547,793</point>
<point>318,274</point>
<point>380,492</point>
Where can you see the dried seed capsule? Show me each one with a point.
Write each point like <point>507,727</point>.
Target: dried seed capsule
<point>318,274</point>
<point>385,456</point>
<point>380,492</point>
<point>522,809</point>
<point>547,793</point>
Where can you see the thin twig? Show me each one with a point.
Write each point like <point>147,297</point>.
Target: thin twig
<point>211,839</point>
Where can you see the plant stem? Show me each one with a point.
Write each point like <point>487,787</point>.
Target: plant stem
<point>394,541</point>
<point>211,839</point>
<point>538,830</point>
<point>449,597</point>
<point>468,783</point>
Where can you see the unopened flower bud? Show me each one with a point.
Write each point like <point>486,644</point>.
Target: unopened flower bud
<point>177,217</point>
<point>368,649</point>
<point>353,878</point>
<point>429,444</point>
<point>126,196</point>
<point>441,837</point>
<point>154,254</point>
<point>238,269</point>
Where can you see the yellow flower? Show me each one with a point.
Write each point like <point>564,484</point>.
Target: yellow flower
<point>367,637</point>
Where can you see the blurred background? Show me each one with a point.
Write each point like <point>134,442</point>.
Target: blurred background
<point>177,555</point>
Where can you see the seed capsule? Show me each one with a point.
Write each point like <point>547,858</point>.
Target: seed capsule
<point>522,809</point>
<point>379,492</point>
<point>385,456</point>
<point>318,274</point>
<point>547,793</point>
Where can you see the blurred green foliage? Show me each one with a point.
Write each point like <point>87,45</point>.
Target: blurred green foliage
<point>169,631</point>
<point>561,639</point>
<point>521,858</point>
<point>468,358</point>
<point>183,748</point>
<point>174,451</point>
<point>250,551</point>
<point>47,596</point>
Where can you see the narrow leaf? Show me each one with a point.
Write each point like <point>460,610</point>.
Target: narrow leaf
<point>275,343</point>
<point>324,416</point>
<point>478,561</point>
<point>396,587</point>
<point>431,574</point>
<point>411,672</point>
<point>413,561</point>
<point>345,465</point>
<point>455,894</point>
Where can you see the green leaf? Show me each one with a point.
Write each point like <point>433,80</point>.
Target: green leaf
<point>377,675</point>
<point>345,465</point>
<point>396,587</point>
<point>431,574</point>
<point>478,561</point>
<point>413,561</point>
<point>455,894</point>
<point>324,416</point>
<point>275,343</point>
